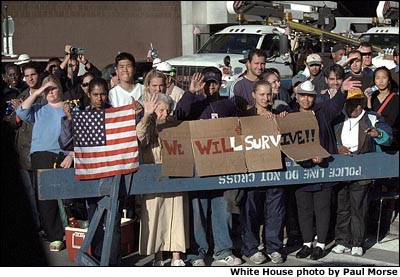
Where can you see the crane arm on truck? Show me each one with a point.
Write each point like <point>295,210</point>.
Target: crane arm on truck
<point>315,13</point>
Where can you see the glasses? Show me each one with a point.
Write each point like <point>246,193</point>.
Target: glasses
<point>366,54</point>
<point>85,84</point>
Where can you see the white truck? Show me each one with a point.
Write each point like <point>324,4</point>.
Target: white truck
<point>226,47</point>
<point>386,36</point>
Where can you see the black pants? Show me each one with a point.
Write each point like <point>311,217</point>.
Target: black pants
<point>310,203</point>
<point>266,207</point>
<point>352,209</point>
<point>48,209</point>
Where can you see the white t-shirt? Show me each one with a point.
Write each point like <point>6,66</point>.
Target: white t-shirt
<point>120,97</point>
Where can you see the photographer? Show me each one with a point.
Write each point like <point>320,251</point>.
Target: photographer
<point>68,70</point>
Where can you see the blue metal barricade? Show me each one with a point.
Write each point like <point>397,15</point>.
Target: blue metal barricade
<point>61,184</point>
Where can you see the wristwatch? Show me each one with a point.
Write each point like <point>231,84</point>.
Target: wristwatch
<point>87,61</point>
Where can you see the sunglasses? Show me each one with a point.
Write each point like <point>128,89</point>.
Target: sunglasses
<point>366,54</point>
<point>85,84</point>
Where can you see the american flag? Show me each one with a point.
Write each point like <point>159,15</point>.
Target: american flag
<point>105,142</point>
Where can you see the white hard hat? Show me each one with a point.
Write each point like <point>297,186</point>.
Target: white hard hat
<point>165,68</point>
<point>23,58</point>
<point>156,62</point>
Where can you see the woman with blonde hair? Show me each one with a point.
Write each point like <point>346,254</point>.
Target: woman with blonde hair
<point>154,82</point>
<point>45,150</point>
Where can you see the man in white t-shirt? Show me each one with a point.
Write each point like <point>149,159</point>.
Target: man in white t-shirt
<point>127,91</point>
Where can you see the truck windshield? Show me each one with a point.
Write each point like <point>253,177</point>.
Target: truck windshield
<point>382,40</point>
<point>230,43</point>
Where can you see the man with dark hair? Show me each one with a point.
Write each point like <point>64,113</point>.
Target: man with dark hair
<point>127,91</point>
<point>23,138</point>
<point>334,76</point>
<point>365,49</point>
<point>242,87</point>
<point>202,102</point>
<point>68,70</point>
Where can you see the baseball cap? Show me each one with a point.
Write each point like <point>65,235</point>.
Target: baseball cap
<point>113,69</point>
<point>337,47</point>
<point>23,58</point>
<point>313,59</point>
<point>307,88</point>
<point>299,78</point>
<point>245,56</point>
<point>212,74</point>
<point>354,94</point>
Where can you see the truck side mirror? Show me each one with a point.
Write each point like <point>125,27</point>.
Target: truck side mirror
<point>283,44</point>
<point>227,61</point>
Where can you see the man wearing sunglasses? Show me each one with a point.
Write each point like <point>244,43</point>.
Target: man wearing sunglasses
<point>365,49</point>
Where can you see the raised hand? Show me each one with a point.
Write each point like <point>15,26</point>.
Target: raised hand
<point>197,83</point>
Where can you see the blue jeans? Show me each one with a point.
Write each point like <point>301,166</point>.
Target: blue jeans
<point>221,221</point>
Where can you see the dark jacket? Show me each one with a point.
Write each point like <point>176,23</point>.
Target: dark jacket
<point>366,143</point>
<point>326,112</point>
<point>23,134</point>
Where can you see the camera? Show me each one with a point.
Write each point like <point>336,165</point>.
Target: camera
<point>77,51</point>
<point>74,104</point>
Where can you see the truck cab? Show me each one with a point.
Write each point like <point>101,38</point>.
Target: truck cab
<point>225,48</point>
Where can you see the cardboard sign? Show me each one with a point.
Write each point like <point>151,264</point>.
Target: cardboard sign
<point>213,146</point>
<point>213,149</point>
<point>177,153</point>
<point>300,136</point>
<point>261,140</point>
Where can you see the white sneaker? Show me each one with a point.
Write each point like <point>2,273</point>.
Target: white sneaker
<point>257,258</point>
<point>199,262</point>
<point>276,257</point>
<point>179,262</point>
<point>230,260</point>
<point>357,251</point>
<point>340,249</point>
<point>158,263</point>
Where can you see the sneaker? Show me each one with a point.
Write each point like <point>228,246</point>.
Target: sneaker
<point>276,257</point>
<point>178,262</point>
<point>198,262</point>
<point>158,263</point>
<point>340,249</point>
<point>357,251</point>
<point>230,260</point>
<point>257,258</point>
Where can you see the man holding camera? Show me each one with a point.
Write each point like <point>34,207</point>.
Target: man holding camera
<point>68,70</point>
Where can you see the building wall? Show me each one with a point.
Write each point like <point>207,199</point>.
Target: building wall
<point>103,28</point>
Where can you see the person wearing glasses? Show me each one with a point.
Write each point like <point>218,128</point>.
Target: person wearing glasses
<point>365,49</point>
<point>79,96</point>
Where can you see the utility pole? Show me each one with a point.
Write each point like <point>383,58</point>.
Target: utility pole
<point>7,31</point>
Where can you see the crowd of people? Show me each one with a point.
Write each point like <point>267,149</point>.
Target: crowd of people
<point>356,106</point>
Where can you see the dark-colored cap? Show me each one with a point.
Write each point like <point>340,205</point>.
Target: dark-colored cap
<point>307,88</point>
<point>299,78</point>
<point>113,70</point>
<point>245,56</point>
<point>337,47</point>
<point>212,74</point>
